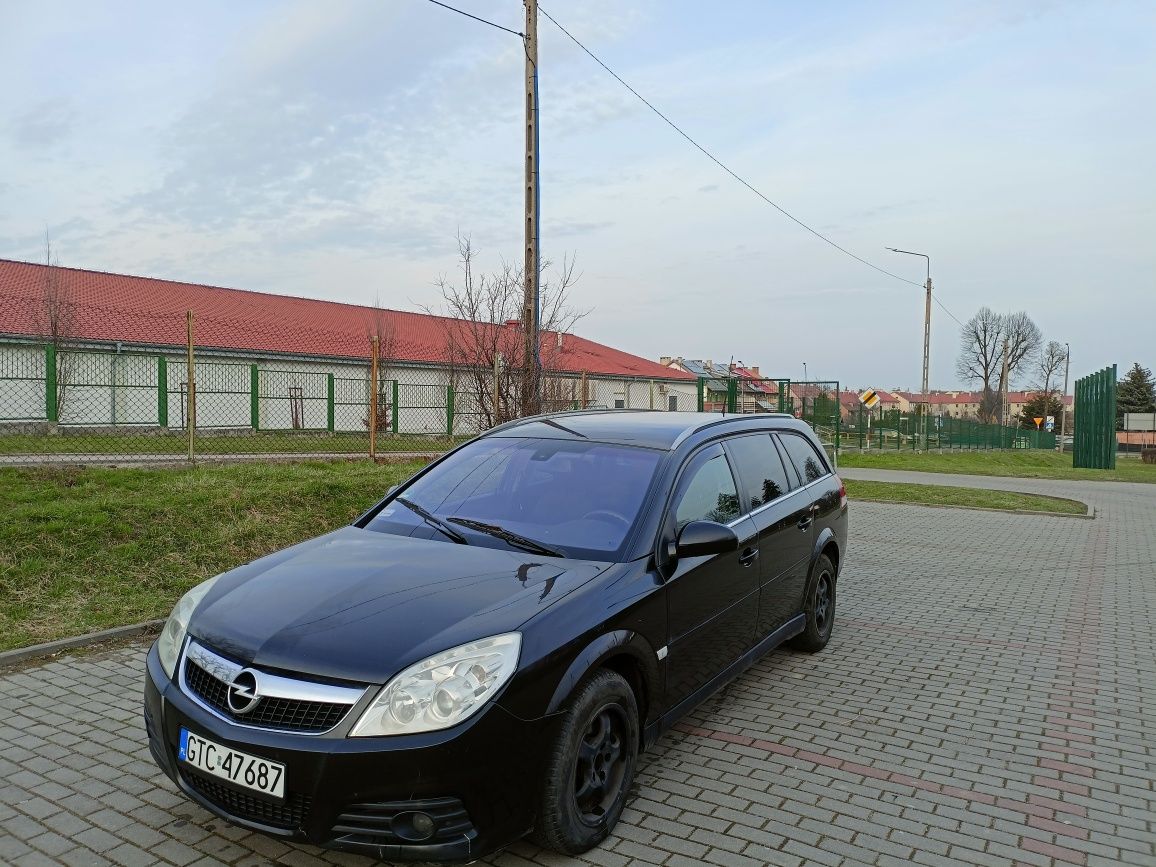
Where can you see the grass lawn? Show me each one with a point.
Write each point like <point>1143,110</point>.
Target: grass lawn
<point>262,442</point>
<point>1028,464</point>
<point>87,549</point>
<point>943,495</point>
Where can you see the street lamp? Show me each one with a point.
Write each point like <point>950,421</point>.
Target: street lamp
<point>1064,399</point>
<point>926,336</point>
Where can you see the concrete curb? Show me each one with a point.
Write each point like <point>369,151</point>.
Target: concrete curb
<point>1090,516</point>
<point>10,658</point>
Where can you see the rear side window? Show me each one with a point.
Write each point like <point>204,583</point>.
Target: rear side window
<point>760,468</point>
<point>809,464</point>
<point>707,493</point>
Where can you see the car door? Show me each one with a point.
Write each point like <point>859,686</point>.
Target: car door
<point>766,487</point>
<point>807,467</point>
<point>712,602</point>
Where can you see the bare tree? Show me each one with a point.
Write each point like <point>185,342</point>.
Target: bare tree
<point>1047,366</point>
<point>981,353</point>
<point>55,320</point>
<point>482,329</point>
<point>1023,344</point>
<point>382,327</point>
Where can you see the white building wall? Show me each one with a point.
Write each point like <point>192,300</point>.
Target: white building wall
<point>22,383</point>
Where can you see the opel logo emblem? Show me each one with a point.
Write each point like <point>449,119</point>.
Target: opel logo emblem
<point>242,694</point>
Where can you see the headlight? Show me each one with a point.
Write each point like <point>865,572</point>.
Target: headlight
<point>443,690</point>
<point>173,635</point>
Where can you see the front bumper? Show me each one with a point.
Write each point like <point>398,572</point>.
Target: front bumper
<point>477,780</point>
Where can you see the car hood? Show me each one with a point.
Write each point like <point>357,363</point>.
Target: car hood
<point>361,605</point>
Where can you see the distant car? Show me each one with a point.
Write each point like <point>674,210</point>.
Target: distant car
<point>485,652</point>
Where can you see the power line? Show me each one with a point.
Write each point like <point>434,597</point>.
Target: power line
<point>935,298</point>
<point>733,173</point>
<point>476,18</point>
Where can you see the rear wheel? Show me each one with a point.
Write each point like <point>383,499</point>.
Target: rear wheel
<point>820,609</point>
<point>590,766</point>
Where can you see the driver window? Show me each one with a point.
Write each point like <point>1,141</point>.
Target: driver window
<point>708,494</point>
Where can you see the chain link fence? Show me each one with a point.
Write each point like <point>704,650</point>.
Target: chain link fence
<point>182,394</point>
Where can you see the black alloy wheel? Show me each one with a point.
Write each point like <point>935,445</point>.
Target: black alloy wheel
<point>601,764</point>
<point>590,766</point>
<point>823,600</point>
<point>819,609</point>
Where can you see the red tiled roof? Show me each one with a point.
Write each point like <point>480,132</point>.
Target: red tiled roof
<point>119,307</point>
<point>756,383</point>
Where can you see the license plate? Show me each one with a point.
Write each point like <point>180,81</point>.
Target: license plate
<point>238,768</point>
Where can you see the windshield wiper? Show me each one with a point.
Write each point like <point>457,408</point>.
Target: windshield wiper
<point>508,536</point>
<point>433,520</point>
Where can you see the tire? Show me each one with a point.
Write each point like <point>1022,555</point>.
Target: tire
<point>590,766</point>
<point>820,609</point>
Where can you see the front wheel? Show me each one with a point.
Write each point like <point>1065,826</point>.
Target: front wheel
<point>820,609</point>
<point>590,766</point>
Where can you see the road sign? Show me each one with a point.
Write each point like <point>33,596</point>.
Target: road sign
<point>1038,421</point>
<point>869,398</point>
<point>1050,423</point>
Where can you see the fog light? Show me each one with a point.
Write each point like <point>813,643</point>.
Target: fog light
<point>414,827</point>
<point>423,824</point>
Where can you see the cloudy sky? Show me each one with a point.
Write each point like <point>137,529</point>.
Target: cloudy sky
<point>335,149</point>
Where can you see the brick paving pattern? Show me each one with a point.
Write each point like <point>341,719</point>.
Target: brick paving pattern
<point>989,698</point>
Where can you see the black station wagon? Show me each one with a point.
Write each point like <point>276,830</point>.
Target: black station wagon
<point>484,653</point>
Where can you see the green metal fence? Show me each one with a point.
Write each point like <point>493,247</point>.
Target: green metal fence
<point>101,404</point>
<point>736,394</point>
<point>1094,438</point>
<point>91,405</point>
<point>816,403</point>
<point>894,429</point>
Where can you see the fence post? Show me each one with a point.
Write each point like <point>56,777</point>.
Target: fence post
<point>191,389</point>
<point>585,392</point>
<point>732,394</point>
<point>51,408</point>
<point>396,412</point>
<point>373,397</point>
<point>838,421</point>
<point>162,391</point>
<point>701,388</point>
<point>330,401</point>
<point>254,398</point>
<point>449,411</point>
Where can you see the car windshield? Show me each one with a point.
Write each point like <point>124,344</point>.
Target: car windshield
<point>572,497</point>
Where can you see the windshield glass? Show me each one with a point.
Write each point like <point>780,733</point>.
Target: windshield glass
<point>578,498</point>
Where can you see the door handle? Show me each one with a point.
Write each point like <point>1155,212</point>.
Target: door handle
<point>805,522</point>
<point>749,556</point>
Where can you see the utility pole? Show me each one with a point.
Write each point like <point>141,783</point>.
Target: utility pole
<point>1064,398</point>
<point>1004,386</point>
<point>925,404</point>
<point>926,356</point>
<point>531,306</point>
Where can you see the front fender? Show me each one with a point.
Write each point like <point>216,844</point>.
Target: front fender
<point>620,642</point>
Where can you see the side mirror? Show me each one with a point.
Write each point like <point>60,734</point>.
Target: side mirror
<point>702,538</point>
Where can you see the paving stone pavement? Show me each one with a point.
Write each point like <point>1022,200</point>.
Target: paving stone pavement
<point>989,697</point>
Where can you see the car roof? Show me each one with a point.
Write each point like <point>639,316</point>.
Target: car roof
<point>656,429</point>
